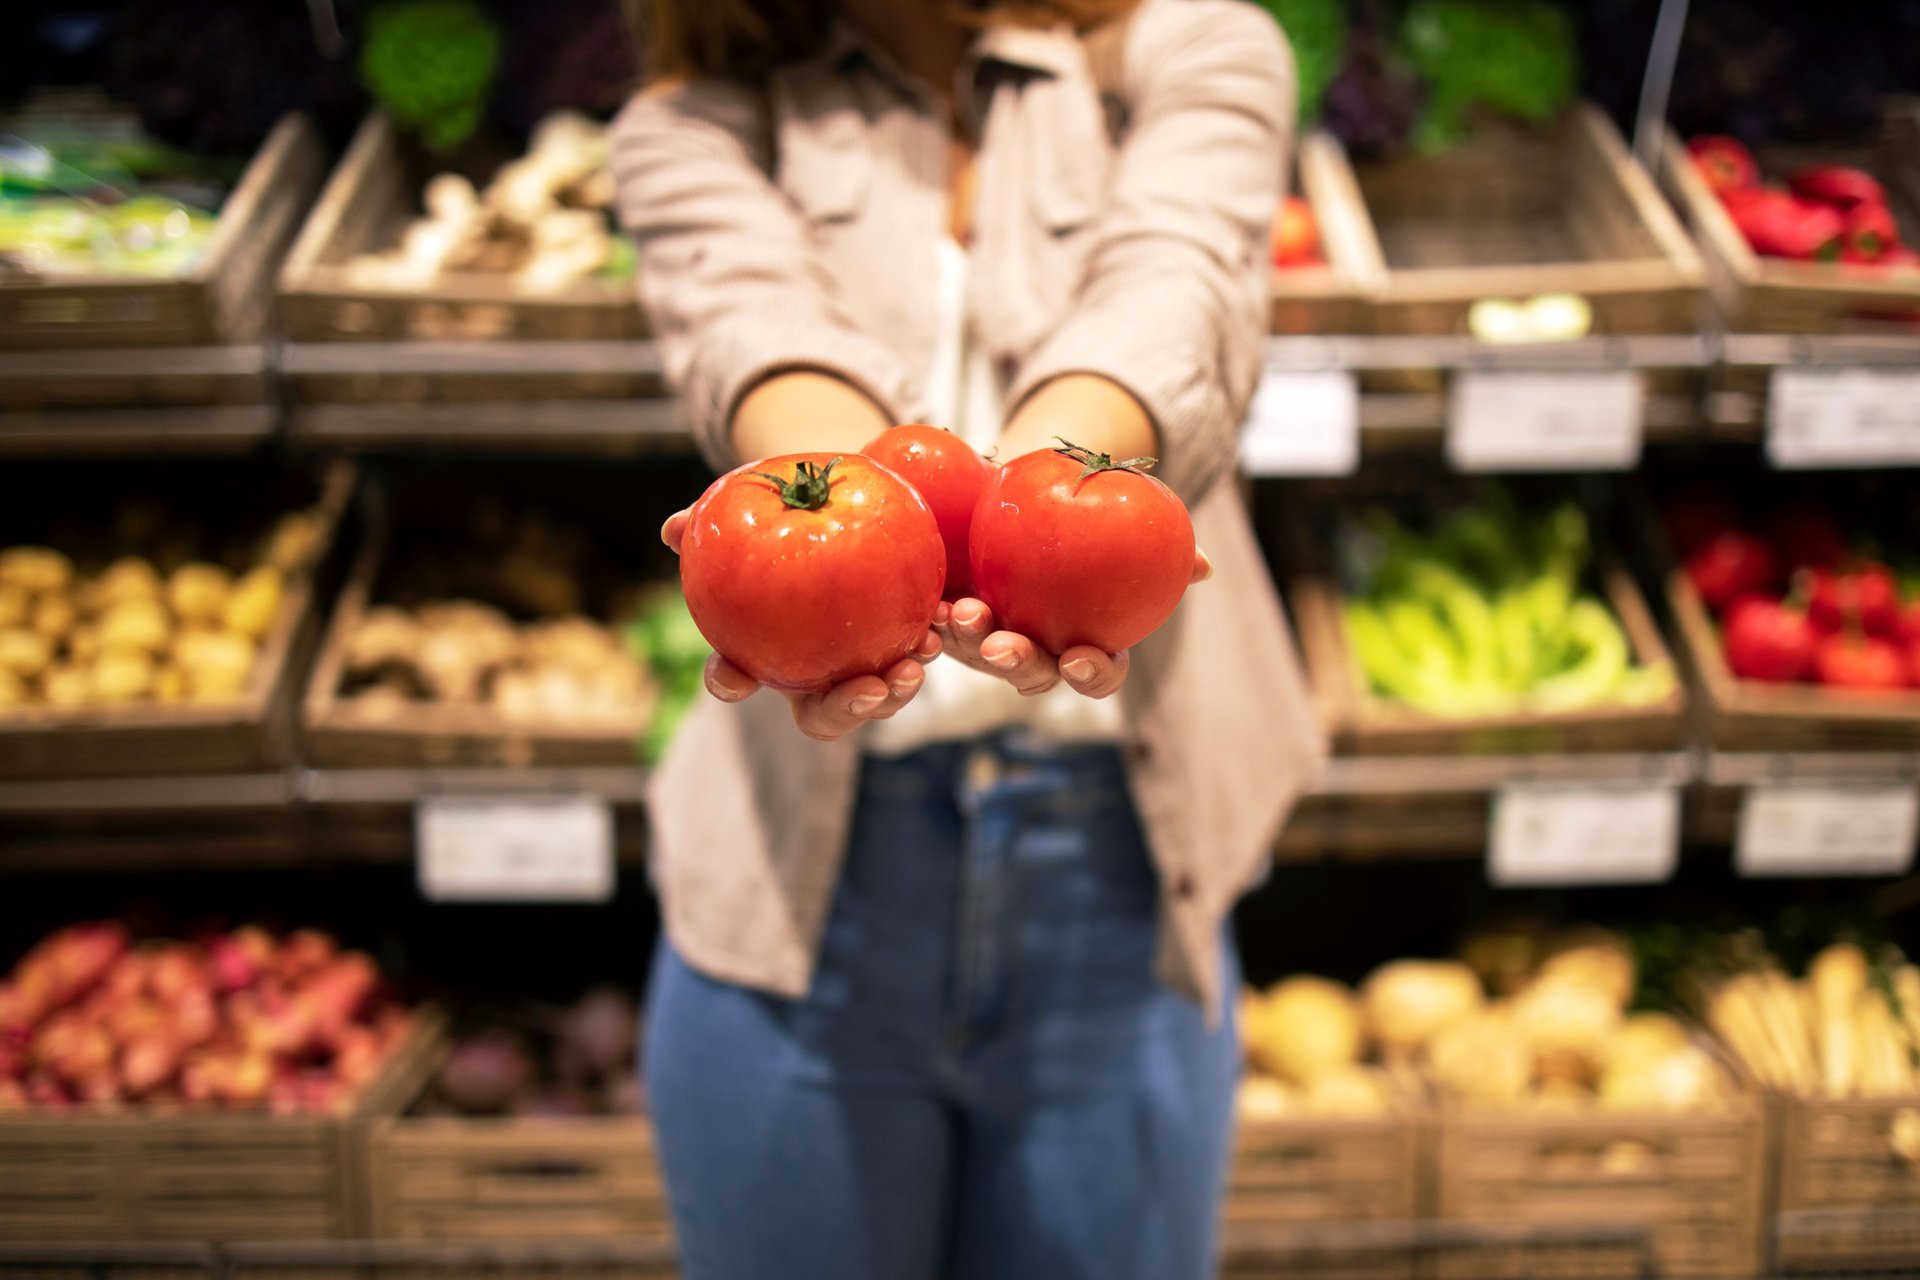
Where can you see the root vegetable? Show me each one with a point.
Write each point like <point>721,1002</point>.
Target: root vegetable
<point>1566,1025</point>
<point>135,624</point>
<point>487,1074</point>
<point>598,1035</point>
<point>13,690</point>
<point>386,636</point>
<point>54,616</point>
<point>253,602</point>
<point>1348,1091</point>
<point>122,675</point>
<point>24,652</point>
<point>66,686</point>
<point>294,542</point>
<point>1644,1037</point>
<point>16,606</point>
<point>1483,1057</point>
<point>1408,1002</point>
<point>1685,1079</point>
<point>198,592</point>
<point>1311,1028</point>
<point>128,578</point>
<point>35,569</point>
<point>1592,958</point>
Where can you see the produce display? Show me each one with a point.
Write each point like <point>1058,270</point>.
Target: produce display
<point>665,637</point>
<point>244,1020</point>
<point>1487,614</point>
<point>182,626</point>
<point>1511,60</point>
<point>1801,603</point>
<point>1546,317</point>
<point>502,626</point>
<point>543,220</point>
<point>96,198</point>
<point>1848,1028</point>
<point>537,1060</point>
<point>1824,213</point>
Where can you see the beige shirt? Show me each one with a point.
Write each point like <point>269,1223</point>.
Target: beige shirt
<point>1125,186</point>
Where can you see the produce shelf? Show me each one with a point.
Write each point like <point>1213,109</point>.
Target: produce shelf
<point>615,427</point>
<point>178,430</point>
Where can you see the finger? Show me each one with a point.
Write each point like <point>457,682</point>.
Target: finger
<point>929,647</point>
<point>904,679</point>
<point>1020,662</point>
<point>728,682</point>
<point>841,709</point>
<point>1093,671</point>
<point>966,621</point>
<point>674,531</point>
<point>1202,567</point>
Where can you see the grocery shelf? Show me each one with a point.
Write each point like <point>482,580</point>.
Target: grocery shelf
<point>405,786</point>
<point>1746,769</point>
<point>492,359</point>
<point>1394,352</point>
<point>136,375</point>
<point>171,430</point>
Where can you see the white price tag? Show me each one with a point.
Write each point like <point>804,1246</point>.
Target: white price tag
<point>1844,418</point>
<point>1827,830</point>
<point>1555,835</point>
<point>1559,421</point>
<point>1302,424</point>
<point>518,849</point>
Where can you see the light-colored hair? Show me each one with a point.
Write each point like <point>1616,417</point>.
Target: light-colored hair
<point>701,39</point>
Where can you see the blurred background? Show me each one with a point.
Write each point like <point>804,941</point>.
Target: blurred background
<point>335,644</point>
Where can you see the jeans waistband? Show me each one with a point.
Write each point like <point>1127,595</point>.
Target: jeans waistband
<point>1007,758</point>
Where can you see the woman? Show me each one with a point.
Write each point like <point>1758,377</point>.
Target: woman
<point>946,991</point>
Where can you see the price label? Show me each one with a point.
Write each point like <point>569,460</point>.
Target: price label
<point>1844,418</point>
<point>1827,830</point>
<point>1302,424</point>
<point>1561,835</point>
<point>518,849</point>
<point>1560,421</point>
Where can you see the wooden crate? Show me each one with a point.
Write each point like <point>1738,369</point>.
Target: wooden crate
<point>626,1259</point>
<point>366,205</point>
<point>516,1178</point>
<point>1303,1190</point>
<point>431,511</point>
<point>1517,213</point>
<point>1362,723</point>
<point>1751,715</point>
<point>227,298</point>
<point>200,1176</point>
<point>1330,298</point>
<point>253,732</point>
<point>1757,294</point>
<point>1698,1184</point>
<point>1846,1199</point>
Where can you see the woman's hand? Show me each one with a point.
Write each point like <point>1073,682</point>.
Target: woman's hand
<point>967,633</point>
<point>841,709</point>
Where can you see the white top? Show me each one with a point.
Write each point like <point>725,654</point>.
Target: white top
<point>958,702</point>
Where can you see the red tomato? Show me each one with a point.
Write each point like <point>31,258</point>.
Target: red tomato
<point>1070,548</point>
<point>1295,238</point>
<point>1732,564</point>
<point>1853,661</point>
<point>1725,163</point>
<point>949,475</point>
<point>809,569</point>
<point>1767,640</point>
<point>1867,597</point>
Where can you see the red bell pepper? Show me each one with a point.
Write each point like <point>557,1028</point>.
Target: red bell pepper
<point>1842,186</point>
<point>1724,163</point>
<point>1781,226</point>
<point>1850,660</point>
<point>1770,640</point>
<point>1731,565</point>
<point>1871,231</point>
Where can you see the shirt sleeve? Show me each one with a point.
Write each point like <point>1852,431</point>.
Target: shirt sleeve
<point>727,273</point>
<point>1173,303</point>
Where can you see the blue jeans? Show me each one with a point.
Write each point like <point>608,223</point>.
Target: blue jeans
<point>985,1081</point>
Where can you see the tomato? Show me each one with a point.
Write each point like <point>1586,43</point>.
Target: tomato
<point>1070,548</point>
<point>1731,564</point>
<point>1769,640</point>
<point>1866,596</point>
<point>809,569</point>
<point>1295,236</point>
<point>1853,661</point>
<point>949,475</point>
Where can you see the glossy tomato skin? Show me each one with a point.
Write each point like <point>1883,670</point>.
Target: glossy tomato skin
<point>803,599</point>
<point>949,474</point>
<point>1065,560</point>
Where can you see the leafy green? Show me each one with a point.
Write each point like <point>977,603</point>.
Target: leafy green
<point>1317,31</point>
<point>430,64</point>
<point>1512,58</point>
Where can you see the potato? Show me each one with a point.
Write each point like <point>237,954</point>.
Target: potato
<point>13,691</point>
<point>83,643</point>
<point>169,684</point>
<point>16,605</point>
<point>122,675</point>
<point>128,578</point>
<point>66,687</point>
<point>1482,1057</point>
<point>24,652</point>
<point>294,542</point>
<point>253,602</point>
<point>1408,1002</point>
<point>571,642</point>
<point>35,568</point>
<point>386,636</point>
<point>1311,1029</point>
<point>54,616</point>
<point>216,663</point>
<point>198,591</point>
<point>135,624</point>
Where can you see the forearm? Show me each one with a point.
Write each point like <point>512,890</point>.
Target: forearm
<point>1087,409</point>
<point>805,412</point>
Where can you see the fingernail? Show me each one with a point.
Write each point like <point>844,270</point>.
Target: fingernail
<point>1006,660</point>
<point>866,703</point>
<point>1080,670</point>
<point>971,618</point>
<point>901,688</point>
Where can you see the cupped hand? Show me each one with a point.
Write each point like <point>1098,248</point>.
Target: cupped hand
<point>968,634</point>
<point>841,709</point>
